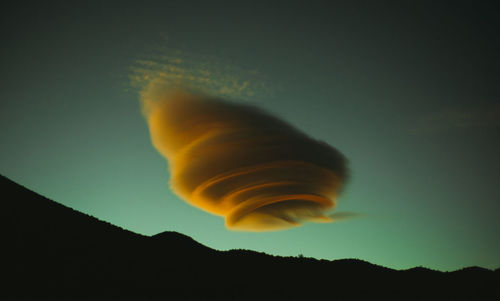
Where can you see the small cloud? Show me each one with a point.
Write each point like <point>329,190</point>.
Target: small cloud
<point>344,216</point>
<point>458,118</point>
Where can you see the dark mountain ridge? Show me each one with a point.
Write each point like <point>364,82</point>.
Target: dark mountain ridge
<point>57,252</point>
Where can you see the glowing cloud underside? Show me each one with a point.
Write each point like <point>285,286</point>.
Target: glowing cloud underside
<point>241,163</point>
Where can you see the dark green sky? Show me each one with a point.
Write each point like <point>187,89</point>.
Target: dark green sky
<point>407,91</point>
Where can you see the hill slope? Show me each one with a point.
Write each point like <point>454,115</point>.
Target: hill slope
<point>57,252</point>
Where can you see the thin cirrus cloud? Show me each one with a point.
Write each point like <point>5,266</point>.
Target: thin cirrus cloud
<point>212,75</point>
<point>241,163</point>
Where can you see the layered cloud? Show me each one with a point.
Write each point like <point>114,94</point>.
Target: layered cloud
<point>241,163</point>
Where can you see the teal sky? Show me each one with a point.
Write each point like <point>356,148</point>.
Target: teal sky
<point>407,92</point>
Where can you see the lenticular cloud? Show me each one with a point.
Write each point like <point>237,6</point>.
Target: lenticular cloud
<point>241,163</point>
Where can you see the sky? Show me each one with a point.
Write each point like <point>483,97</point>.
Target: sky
<point>407,91</point>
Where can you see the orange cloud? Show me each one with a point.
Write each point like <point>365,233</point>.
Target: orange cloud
<point>241,163</point>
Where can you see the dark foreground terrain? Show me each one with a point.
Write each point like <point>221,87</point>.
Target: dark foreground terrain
<point>54,252</point>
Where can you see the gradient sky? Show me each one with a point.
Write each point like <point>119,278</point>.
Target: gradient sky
<point>408,92</point>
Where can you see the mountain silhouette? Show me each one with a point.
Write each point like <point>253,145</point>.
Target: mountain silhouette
<point>56,252</point>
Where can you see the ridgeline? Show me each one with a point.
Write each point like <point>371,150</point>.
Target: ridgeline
<point>56,252</point>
